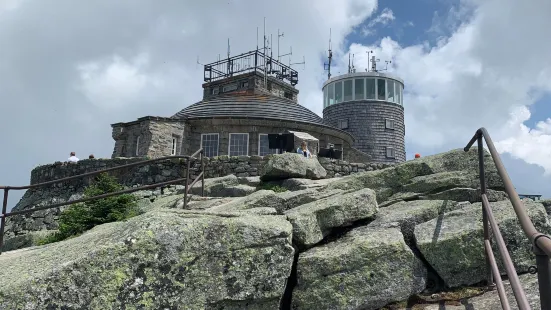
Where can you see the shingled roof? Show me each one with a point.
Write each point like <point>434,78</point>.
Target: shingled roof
<point>249,106</point>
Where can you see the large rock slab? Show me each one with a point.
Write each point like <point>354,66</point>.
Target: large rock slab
<point>292,165</point>
<point>160,260</point>
<point>314,221</point>
<point>227,186</point>
<point>468,194</point>
<point>260,199</point>
<point>426,175</point>
<point>366,269</point>
<point>453,242</point>
<point>293,199</point>
<point>300,184</point>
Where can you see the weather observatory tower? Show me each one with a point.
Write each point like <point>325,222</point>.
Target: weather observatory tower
<point>368,105</point>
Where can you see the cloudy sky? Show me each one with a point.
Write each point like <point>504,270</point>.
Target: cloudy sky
<point>69,69</point>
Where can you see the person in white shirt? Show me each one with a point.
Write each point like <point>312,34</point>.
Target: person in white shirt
<point>73,158</point>
<point>303,149</point>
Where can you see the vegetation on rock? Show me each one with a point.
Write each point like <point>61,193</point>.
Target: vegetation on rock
<point>81,217</point>
<point>272,187</point>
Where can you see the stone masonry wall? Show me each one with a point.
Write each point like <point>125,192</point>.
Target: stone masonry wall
<point>241,166</point>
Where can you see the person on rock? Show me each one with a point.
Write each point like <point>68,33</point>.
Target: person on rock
<point>303,149</point>
<point>73,158</point>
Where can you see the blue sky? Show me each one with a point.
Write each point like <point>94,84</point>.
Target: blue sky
<point>425,22</point>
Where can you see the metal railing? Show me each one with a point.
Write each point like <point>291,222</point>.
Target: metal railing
<point>187,188</point>
<point>541,243</point>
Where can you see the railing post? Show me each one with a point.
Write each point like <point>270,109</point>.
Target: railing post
<point>187,182</point>
<point>3,220</point>
<point>202,175</point>
<point>544,277</point>
<point>486,226</point>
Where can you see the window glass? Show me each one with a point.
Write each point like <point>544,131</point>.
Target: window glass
<point>381,89</point>
<point>347,90</point>
<point>390,89</point>
<point>370,88</point>
<point>264,146</point>
<point>399,93</point>
<point>173,149</point>
<point>359,89</point>
<point>325,101</point>
<point>338,92</point>
<point>331,94</point>
<point>239,144</point>
<point>209,143</point>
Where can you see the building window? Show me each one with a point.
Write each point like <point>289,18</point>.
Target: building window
<point>215,91</point>
<point>359,89</point>
<point>347,90</point>
<point>264,146</point>
<point>331,94</point>
<point>245,84</point>
<point>389,123</point>
<point>370,88</point>
<point>338,92</point>
<point>173,147</point>
<point>230,87</point>
<point>390,152</point>
<point>343,124</point>
<point>390,91</point>
<point>398,93</point>
<point>209,144</point>
<point>239,144</point>
<point>288,95</point>
<point>325,101</point>
<point>138,146</point>
<point>381,89</point>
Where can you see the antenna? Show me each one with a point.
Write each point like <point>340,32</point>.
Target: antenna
<point>288,54</point>
<point>327,66</point>
<point>349,68</point>
<point>257,38</point>
<point>298,63</point>
<point>374,63</point>
<point>198,63</point>
<point>353,68</point>
<point>386,66</point>
<point>228,48</point>
<point>278,36</point>
<point>368,52</point>
<point>265,73</point>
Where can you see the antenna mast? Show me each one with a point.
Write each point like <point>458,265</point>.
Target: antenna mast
<point>327,66</point>
<point>265,71</point>
<point>278,36</point>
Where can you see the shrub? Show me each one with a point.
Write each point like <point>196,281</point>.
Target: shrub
<point>81,217</point>
<point>273,187</point>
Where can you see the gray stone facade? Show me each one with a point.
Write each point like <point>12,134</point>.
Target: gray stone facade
<point>367,123</point>
<point>148,137</point>
<point>250,83</point>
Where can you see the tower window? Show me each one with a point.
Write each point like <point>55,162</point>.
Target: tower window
<point>343,124</point>
<point>288,95</point>
<point>215,91</point>
<point>390,153</point>
<point>389,124</point>
<point>245,84</point>
<point>173,148</point>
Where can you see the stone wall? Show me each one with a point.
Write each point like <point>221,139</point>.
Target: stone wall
<point>241,166</point>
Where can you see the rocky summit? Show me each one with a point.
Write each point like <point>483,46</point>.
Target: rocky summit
<point>408,236</point>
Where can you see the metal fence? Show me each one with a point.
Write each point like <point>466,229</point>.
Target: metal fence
<point>541,243</point>
<point>187,188</point>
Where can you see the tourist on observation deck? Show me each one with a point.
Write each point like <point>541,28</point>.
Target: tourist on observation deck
<point>73,158</point>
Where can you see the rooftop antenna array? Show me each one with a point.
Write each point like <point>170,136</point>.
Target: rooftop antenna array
<point>351,68</point>
<point>298,63</point>
<point>327,66</point>
<point>368,52</point>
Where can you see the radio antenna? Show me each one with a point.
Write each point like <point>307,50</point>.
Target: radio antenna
<point>327,66</point>
<point>298,63</point>
<point>278,36</point>
<point>198,63</point>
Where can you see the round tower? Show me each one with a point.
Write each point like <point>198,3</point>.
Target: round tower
<point>368,105</point>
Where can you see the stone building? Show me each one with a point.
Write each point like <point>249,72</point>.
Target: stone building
<point>368,105</point>
<point>247,97</point>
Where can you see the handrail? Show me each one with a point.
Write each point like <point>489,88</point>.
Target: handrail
<point>541,243</point>
<point>189,158</point>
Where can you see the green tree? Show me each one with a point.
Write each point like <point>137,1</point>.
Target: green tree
<point>81,217</point>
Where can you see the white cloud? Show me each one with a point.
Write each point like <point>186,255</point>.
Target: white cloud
<point>484,74</point>
<point>384,19</point>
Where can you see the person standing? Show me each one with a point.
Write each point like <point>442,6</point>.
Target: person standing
<point>303,149</point>
<point>73,158</point>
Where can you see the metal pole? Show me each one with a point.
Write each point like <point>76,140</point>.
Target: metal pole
<point>487,235</point>
<point>203,175</point>
<point>187,181</point>
<point>3,220</point>
<point>544,278</point>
